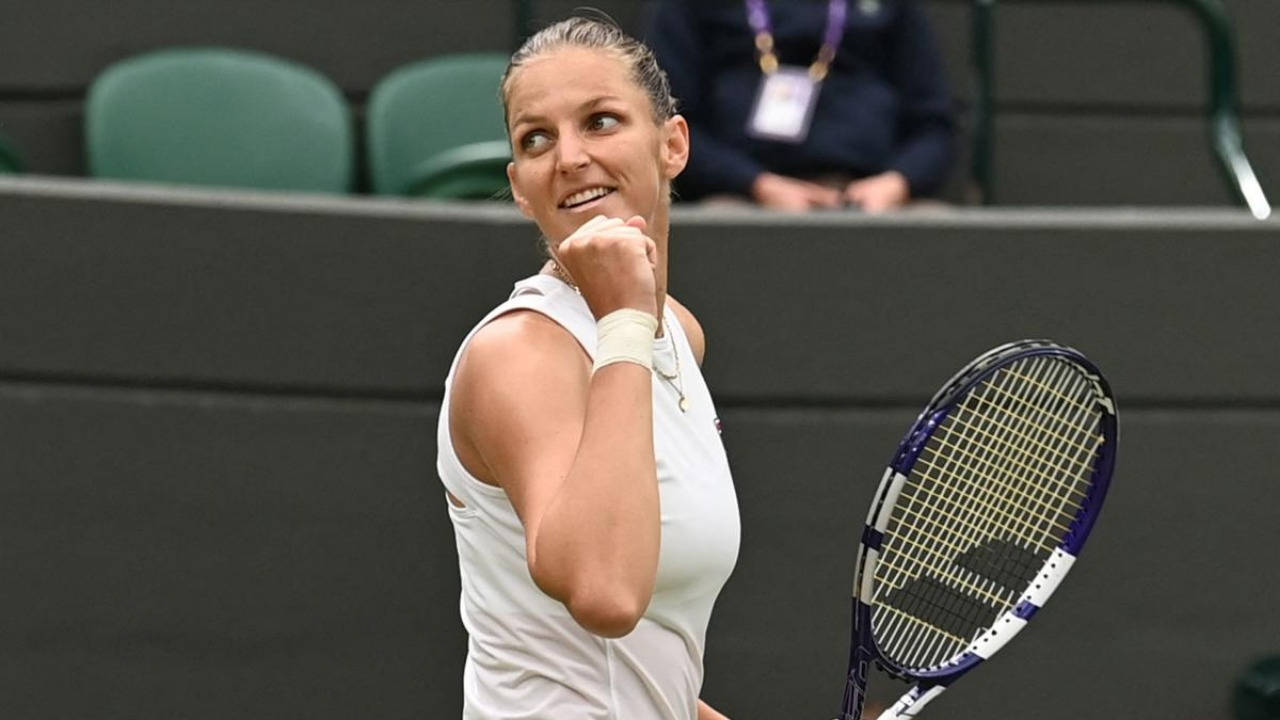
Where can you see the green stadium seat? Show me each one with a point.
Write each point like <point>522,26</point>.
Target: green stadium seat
<point>10,162</point>
<point>1256,695</point>
<point>435,129</point>
<point>219,117</point>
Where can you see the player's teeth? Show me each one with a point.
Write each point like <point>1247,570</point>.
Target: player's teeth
<point>585,195</point>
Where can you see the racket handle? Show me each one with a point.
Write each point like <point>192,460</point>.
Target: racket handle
<point>910,704</point>
<point>855,689</point>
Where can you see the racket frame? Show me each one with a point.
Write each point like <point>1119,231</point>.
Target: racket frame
<point>931,683</point>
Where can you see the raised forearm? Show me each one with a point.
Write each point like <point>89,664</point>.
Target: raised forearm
<point>597,543</point>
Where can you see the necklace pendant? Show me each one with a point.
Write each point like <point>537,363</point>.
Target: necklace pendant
<point>684,404</point>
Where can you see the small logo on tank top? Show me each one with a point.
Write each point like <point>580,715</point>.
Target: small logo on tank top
<point>719,427</point>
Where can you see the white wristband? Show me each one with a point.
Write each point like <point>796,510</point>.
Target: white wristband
<point>625,335</point>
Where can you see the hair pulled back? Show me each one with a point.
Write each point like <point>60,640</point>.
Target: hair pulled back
<point>599,34</point>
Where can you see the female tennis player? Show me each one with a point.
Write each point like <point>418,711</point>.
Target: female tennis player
<point>590,495</point>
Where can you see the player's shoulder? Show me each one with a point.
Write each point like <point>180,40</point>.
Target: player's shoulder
<point>519,376</point>
<point>519,340</point>
<point>517,363</point>
<point>692,328</point>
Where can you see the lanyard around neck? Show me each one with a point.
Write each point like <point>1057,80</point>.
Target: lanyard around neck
<point>758,16</point>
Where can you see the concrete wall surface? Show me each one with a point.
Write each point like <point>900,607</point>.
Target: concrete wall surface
<point>217,410</point>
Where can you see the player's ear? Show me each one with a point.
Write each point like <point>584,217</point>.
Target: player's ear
<point>675,146</point>
<point>521,201</point>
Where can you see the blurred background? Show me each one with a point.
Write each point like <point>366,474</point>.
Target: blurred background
<point>221,365</point>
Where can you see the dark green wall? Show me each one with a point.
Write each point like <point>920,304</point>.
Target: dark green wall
<point>217,485</point>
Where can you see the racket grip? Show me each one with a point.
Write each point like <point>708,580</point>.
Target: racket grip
<point>910,705</point>
<point>855,689</point>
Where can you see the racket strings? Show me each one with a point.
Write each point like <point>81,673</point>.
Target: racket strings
<point>1020,521</point>
<point>1006,563</point>
<point>952,602</point>
<point>993,451</point>
<point>1035,508</point>
<point>994,437</point>
<point>1012,500</point>
<point>987,467</point>
<point>993,491</point>
<point>1012,515</point>
<point>1065,461</point>
<point>1071,443</point>
<point>957,579</point>
<point>942,599</point>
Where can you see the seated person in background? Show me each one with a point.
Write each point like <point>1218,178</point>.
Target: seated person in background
<point>803,104</point>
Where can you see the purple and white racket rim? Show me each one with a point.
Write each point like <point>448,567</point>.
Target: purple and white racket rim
<point>1049,415</point>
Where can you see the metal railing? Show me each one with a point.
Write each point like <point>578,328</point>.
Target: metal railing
<point>1223,111</point>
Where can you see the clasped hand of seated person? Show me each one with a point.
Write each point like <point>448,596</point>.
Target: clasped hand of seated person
<point>874,194</point>
<point>879,193</point>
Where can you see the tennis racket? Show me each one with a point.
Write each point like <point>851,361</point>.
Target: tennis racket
<point>981,513</point>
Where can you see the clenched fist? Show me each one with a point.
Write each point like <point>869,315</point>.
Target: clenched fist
<point>612,262</point>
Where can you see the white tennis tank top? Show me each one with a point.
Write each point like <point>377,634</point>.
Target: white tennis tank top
<point>526,656</point>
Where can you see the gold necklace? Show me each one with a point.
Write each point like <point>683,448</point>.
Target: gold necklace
<point>563,276</point>
<point>675,381</point>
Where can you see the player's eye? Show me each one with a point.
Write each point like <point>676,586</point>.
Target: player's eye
<point>603,121</point>
<point>534,141</point>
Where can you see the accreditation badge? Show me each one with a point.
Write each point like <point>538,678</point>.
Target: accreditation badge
<point>784,105</point>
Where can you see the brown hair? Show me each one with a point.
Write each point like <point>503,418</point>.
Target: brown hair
<point>601,34</point>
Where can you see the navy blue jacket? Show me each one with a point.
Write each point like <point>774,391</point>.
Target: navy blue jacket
<point>884,106</point>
